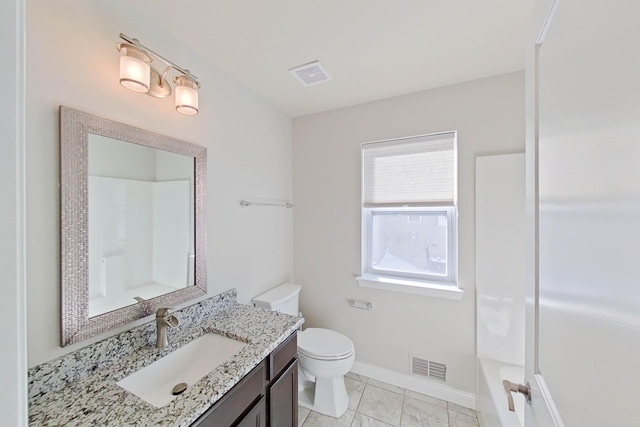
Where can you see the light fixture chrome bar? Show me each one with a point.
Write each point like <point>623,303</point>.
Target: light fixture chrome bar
<point>246,203</point>
<point>137,43</point>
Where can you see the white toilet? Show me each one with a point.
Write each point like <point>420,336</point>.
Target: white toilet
<point>325,356</point>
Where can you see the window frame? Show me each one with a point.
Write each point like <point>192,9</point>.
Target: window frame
<point>407,282</point>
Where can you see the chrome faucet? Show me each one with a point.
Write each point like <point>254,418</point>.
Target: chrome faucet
<point>164,319</point>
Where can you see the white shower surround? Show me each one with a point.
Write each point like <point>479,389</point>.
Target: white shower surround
<point>500,274</point>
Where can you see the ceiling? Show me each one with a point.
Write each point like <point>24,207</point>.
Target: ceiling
<point>372,49</point>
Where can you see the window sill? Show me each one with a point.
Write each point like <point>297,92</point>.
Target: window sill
<point>407,286</point>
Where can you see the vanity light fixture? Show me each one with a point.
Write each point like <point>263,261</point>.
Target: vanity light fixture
<point>186,94</point>
<point>135,68</point>
<point>137,75</point>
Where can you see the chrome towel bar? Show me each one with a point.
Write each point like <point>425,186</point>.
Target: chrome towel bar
<point>247,203</point>
<point>363,305</point>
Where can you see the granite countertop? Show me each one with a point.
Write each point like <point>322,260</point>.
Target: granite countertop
<point>96,399</point>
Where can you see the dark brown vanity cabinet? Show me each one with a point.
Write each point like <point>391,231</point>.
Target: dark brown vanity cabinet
<point>266,397</point>
<point>282,395</point>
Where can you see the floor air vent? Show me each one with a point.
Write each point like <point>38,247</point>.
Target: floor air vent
<point>427,368</point>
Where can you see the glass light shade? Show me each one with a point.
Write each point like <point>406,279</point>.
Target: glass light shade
<point>135,72</point>
<point>186,96</point>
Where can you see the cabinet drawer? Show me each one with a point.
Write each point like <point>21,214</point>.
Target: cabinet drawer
<point>233,404</point>
<point>282,356</point>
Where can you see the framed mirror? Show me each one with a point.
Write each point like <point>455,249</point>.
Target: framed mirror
<point>133,223</point>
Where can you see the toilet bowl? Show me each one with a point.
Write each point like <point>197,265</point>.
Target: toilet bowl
<point>324,356</point>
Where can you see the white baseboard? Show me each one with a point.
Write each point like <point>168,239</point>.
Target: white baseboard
<point>419,385</point>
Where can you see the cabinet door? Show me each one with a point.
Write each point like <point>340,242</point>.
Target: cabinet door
<point>283,398</point>
<point>233,404</point>
<point>257,417</point>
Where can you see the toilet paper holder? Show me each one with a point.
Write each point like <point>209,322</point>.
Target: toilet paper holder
<point>362,305</point>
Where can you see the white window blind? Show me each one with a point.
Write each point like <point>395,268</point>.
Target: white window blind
<point>411,170</point>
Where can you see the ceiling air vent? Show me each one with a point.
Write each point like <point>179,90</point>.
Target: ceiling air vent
<point>310,74</point>
<point>428,369</point>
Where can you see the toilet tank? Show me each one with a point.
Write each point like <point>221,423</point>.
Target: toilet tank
<point>282,298</point>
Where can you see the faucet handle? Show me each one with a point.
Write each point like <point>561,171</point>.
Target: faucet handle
<point>164,311</point>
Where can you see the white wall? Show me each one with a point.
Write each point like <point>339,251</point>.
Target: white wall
<point>73,61</point>
<point>13,395</point>
<point>489,117</point>
<point>119,159</point>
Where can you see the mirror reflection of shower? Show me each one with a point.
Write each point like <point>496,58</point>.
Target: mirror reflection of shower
<point>141,223</point>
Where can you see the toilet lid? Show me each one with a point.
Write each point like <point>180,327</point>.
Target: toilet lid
<point>324,343</point>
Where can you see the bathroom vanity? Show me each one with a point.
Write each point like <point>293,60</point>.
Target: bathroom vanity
<point>267,396</point>
<point>257,386</point>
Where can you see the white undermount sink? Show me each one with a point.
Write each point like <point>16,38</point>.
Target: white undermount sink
<point>188,364</point>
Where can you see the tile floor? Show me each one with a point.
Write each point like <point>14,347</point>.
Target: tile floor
<point>376,404</point>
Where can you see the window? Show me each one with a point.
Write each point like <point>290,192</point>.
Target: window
<point>409,215</point>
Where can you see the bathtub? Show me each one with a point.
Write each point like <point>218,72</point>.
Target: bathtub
<point>491,399</point>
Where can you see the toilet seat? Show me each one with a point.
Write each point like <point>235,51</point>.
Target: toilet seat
<point>324,344</point>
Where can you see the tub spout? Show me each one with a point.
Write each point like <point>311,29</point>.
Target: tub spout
<point>517,388</point>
